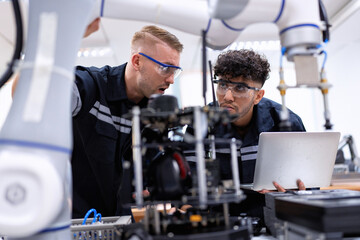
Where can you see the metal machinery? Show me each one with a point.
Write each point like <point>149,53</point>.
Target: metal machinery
<point>169,176</point>
<point>35,142</point>
<point>320,214</point>
<point>347,165</point>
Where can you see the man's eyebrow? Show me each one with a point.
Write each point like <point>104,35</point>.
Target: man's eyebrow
<point>241,84</point>
<point>235,83</point>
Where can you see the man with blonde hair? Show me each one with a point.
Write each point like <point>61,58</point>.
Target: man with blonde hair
<point>102,137</point>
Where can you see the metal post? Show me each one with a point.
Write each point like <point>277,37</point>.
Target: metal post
<point>157,221</point>
<point>226,214</point>
<point>324,86</point>
<point>200,160</point>
<point>235,167</point>
<point>213,149</point>
<point>146,218</point>
<point>136,145</point>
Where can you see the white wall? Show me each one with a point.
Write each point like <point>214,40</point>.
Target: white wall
<point>343,72</point>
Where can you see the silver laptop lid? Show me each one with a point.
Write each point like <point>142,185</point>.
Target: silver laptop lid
<point>285,157</point>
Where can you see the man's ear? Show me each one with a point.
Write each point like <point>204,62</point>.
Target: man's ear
<point>135,61</point>
<point>259,96</point>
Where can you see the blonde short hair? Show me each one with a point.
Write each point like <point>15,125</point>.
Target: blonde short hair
<point>160,34</point>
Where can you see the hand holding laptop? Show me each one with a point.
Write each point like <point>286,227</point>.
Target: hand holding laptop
<point>279,188</point>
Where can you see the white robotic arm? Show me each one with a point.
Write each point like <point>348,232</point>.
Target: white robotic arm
<point>298,21</point>
<point>36,138</point>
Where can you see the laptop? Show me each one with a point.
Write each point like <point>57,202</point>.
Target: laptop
<point>285,157</point>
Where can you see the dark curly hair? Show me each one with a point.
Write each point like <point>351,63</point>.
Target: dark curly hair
<point>242,63</point>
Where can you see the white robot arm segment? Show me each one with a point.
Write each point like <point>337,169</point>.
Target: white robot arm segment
<point>298,21</point>
<point>36,138</point>
<point>186,15</point>
<point>32,192</point>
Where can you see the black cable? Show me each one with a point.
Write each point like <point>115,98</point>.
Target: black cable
<point>204,64</point>
<point>18,44</point>
<point>212,85</point>
<point>324,17</point>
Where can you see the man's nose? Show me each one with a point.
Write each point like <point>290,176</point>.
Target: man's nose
<point>170,79</point>
<point>228,95</point>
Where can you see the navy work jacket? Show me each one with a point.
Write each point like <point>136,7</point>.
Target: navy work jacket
<point>102,141</point>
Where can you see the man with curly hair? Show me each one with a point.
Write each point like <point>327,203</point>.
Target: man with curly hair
<point>240,76</point>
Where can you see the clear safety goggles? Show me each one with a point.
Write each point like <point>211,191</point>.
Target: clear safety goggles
<point>237,89</point>
<point>165,70</point>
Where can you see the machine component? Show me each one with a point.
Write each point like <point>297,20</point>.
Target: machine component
<point>324,87</point>
<point>330,214</point>
<point>195,224</point>
<point>354,162</point>
<point>200,163</point>
<point>284,114</point>
<point>168,153</point>
<point>272,223</point>
<point>306,76</point>
<point>165,169</point>
<point>107,229</point>
<point>167,175</point>
<point>133,231</point>
<point>320,201</point>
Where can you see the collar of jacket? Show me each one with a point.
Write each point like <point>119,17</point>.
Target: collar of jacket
<point>116,87</point>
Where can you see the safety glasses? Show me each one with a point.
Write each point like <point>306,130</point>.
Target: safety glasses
<point>237,89</point>
<point>163,69</point>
